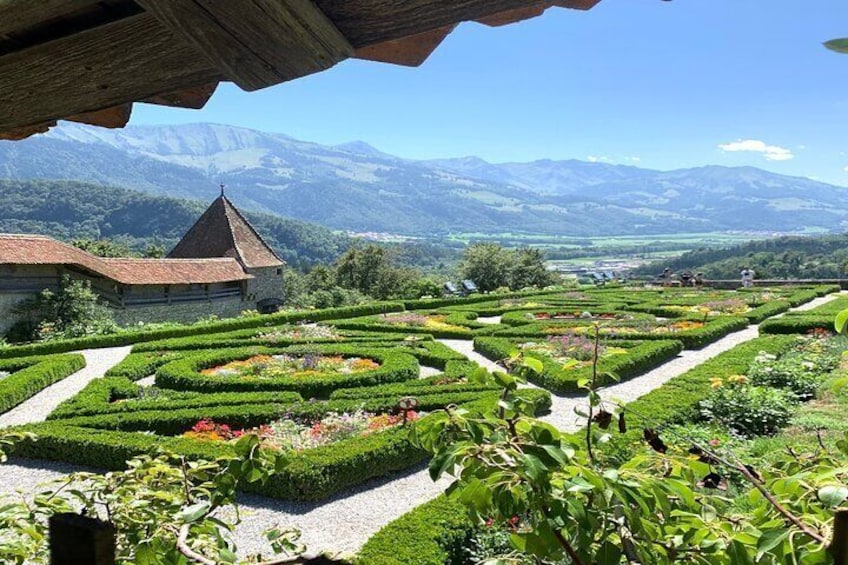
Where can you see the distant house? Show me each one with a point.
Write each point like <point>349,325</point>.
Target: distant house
<point>222,266</point>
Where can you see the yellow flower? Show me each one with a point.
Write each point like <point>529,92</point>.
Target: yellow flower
<point>737,379</point>
<point>716,382</point>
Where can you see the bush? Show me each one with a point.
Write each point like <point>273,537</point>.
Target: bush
<point>432,534</point>
<point>749,411</point>
<point>183,374</point>
<point>206,328</point>
<point>789,372</point>
<point>30,376</point>
<point>107,441</point>
<point>640,357</point>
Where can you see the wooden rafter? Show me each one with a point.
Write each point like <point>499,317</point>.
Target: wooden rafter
<point>114,117</point>
<point>131,59</point>
<point>410,51</point>
<point>91,59</point>
<point>194,98</point>
<point>256,43</point>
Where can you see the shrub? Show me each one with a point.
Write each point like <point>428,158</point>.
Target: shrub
<point>30,376</point>
<point>748,410</point>
<point>790,372</point>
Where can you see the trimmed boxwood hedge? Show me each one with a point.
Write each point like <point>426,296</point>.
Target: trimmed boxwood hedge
<point>248,338</point>
<point>641,357</point>
<point>713,330</point>
<point>137,366</point>
<point>432,534</point>
<point>797,324</point>
<point>183,374</point>
<point>311,474</point>
<point>32,375</point>
<point>101,395</point>
<point>132,337</point>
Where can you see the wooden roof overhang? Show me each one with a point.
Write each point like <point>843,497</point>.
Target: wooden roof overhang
<point>89,60</point>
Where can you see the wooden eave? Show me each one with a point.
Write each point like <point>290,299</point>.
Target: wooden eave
<point>90,60</point>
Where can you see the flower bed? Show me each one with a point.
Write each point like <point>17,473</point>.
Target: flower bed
<point>288,434</point>
<point>284,365</point>
<point>636,358</point>
<point>187,373</point>
<point>108,440</point>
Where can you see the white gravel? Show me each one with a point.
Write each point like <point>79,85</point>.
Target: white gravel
<point>466,347</point>
<point>345,522</point>
<point>493,320</point>
<point>426,371</point>
<point>36,409</point>
<point>147,381</point>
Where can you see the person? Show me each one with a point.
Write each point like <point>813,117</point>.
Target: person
<point>686,277</point>
<point>666,276</point>
<point>747,277</point>
<point>699,280</point>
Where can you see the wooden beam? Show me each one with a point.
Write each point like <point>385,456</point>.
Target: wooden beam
<point>194,98</point>
<point>132,59</point>
<point>114,117</point>
<point>513,16</point>
<point>256,43</point>
<point>18,134</point>
<point>366,22</point>
<point>18,15</point>
<point>410,51</point>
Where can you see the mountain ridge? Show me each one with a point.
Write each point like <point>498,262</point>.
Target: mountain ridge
<point>356,187</point>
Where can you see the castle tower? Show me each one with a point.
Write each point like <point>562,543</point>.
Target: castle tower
<point>222,231</point>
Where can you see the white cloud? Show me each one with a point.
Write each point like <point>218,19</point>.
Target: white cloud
<point>845,169</point>
<point>770,152</point>
<point>633,159</point>
<point>596,159</point>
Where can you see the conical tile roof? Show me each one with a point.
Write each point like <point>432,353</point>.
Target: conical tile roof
<point>222,231</point>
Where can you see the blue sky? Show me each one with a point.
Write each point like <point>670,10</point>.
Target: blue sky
<point>655,84</point>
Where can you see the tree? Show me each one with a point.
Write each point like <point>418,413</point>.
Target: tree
<point>487,264</point>
<point>73,311</point>
<point>491,267</point>
<point>104,247</point>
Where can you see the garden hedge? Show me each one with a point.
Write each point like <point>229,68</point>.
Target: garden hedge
<point>677,401</point>
<point>311,474</point>
<point>184,374</point>
<point>30,376</point>
<point>119,395</point>
<point>640,358</point>
<point>132,337</point>
<point>432,534</point>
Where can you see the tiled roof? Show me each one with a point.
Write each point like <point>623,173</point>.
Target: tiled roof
<point>176,271</point>
<point>222,231</point>
<point>42,250</point>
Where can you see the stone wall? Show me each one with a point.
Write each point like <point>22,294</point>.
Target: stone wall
<point>7,304</point>
<point>267,283</point>
<point>185,312</point>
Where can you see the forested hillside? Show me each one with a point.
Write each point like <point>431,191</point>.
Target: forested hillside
<point>72,210</point>
<point>783,257</point>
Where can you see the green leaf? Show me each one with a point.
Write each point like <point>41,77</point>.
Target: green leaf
<point>441,463</point>
<point>534,364</point>
<point>833,496</point>
<point>194,512</point>
<point>838,45</point>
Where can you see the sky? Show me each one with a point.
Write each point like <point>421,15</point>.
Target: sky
<point>655,84</point>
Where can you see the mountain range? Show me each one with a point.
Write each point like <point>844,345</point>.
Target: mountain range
<point>358,188</point>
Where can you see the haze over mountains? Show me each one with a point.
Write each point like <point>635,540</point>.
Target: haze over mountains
<point>356,187</point>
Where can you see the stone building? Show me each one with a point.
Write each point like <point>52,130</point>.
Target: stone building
<point>222,266</point>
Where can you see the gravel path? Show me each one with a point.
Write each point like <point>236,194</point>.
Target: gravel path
<point>466,347</point>
<point>343,523</point>
<point>493,320</point>
<point>36,409</point>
